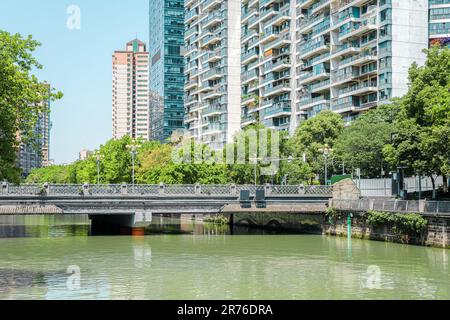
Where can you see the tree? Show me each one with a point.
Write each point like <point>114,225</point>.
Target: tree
<point>315,134</point>
<point>421,129</point>
<point>21,97</point>
<point>361,143</point>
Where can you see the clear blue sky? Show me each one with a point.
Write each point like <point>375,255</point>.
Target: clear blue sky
<point>77,62</point>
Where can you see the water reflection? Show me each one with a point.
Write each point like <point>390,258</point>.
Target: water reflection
<point>193,260</point>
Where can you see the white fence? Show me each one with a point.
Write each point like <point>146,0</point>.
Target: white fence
<point>383,187</point>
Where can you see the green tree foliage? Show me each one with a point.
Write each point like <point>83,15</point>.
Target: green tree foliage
<point>315,134</point>
<point>361,143</point>
<point>21,97</point>
<point>423,124</point>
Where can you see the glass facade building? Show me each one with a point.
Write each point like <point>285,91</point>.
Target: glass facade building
<point>167,67</point>
<point>35,153</point>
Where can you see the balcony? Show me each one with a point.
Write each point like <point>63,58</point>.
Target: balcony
<point>217,91</point>
<point>318,6</point>
<point>272,89</point>
<point>305,4</point>
<point>280,64</point>
<point>320,86</point>
<point>191,84</point>
<point>278,42</point>
<point>214,74</point>
<point>309,77</point>
<point>214,110</point>
<point>310,49</point>
<point>308,102</point>
<point>215,128</point>
<point>213,19</point>
<point>249,56</point>
<point>208,4</point>
<point>358,28</point>
<point>308,23</point>
<point>212,39</point>
<point>359,89</point>
<point>248,119</point>
<point>279,109</point>
<point>249,76</point>
<point>358,60</point>
<point>282,16</point>
<point>190,16</point>
<point>348,48</point>
<point>341,78</point>
<point>246,36</point>
<point>247,15</point>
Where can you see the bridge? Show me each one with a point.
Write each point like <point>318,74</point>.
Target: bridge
<point>133,206</point>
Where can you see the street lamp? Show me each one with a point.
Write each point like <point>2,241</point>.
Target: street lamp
<point>133,147</point>
<point>98,157</point>
<point>326,152</point>
<point>288,159</point>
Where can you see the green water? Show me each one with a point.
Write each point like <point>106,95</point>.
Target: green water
<point>193,261</point>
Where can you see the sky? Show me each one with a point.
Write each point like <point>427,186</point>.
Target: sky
<point>77,62</point>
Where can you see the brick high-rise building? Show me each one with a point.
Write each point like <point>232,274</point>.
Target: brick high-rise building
<point>130,105</point>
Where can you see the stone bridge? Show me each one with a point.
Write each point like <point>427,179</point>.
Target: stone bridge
<point>134,206</point>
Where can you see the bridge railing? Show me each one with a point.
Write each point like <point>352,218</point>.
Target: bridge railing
<point>393,205</point>
<point>161,189</point>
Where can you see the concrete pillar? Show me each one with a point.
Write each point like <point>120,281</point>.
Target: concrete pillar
<point>198,188</point>
<point>162,188</point>
<point>301,189</point>
<point>4,188</point>
<point>268,189</point>
<point>86,189</point>
<point>47,188</point>
<point>422,206</point>
<point>371,204</point>
<point>124,189</point>
<point>233,189</point>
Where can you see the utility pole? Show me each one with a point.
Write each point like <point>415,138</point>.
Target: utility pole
<point>133,147</point>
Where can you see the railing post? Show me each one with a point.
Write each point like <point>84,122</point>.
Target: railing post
<point>371,204</point>
<point>86,189</point>
<point>4,187</point>
<point>268,189</point>
<point>301,189</point>
<point>47,188</point>
<point>422,204</point>
<point>162,188</point>
<point>198,188</point>
<point>233,189</point>
<point>124,189</point>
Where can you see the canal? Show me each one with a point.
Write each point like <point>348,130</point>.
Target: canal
<point>55,258</point>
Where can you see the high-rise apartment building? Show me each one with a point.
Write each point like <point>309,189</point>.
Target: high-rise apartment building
<point>440,22</point>
<point>268,55</point>
<point>130,103</point>
<point>167,66</point>
<point>301,57</point>
<point>354,55</point>
<point>212,56</point>
<point>34,152</point>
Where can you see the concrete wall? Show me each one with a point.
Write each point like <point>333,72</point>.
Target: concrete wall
<point>437,233</point>
<point>409,38</point>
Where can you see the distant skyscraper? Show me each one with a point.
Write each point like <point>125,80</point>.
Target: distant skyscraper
<point>167,66</point>
<point>440,22</point>
<point>84,154</point>
<point>34,152</point>
<point>130,106</point>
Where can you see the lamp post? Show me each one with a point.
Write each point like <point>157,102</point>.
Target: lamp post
<point>133,150</point>
<point>98,157</point>
<point>326,152</point>
<point>288,159</point>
